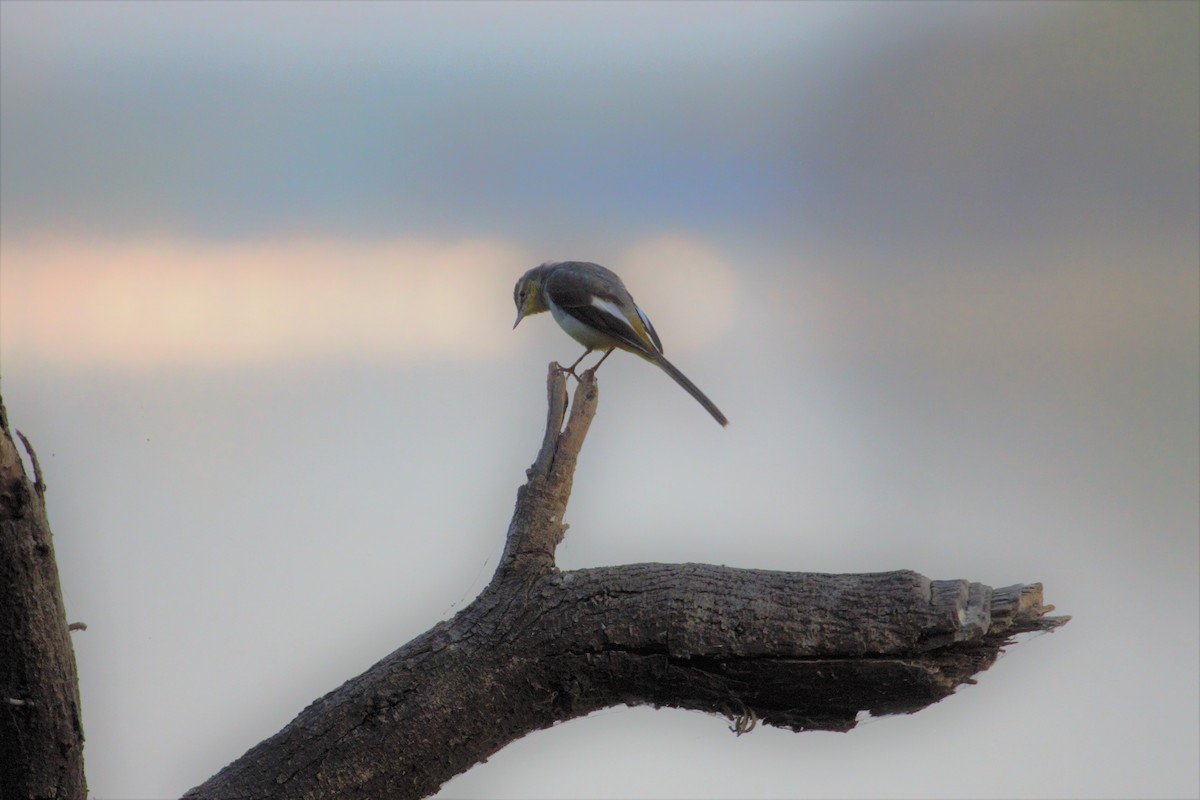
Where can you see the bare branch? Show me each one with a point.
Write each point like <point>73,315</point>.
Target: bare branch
<point>798,650</point>
<point>41,736</point>
<point>537,527</point>
<point>39,483</point>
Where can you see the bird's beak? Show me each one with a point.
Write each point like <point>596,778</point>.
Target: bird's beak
<point>520,316</point>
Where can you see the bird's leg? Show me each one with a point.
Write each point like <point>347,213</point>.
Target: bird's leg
<point>571,369</point>
<point>607,353</point>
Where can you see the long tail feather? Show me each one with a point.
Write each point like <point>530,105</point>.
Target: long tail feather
<point>690,387</point>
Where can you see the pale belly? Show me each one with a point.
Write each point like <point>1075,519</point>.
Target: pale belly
<point>584,334</point>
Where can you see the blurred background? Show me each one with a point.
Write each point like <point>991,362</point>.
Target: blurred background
<point>938,263</point>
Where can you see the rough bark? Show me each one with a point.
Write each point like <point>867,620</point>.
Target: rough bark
<point>798,650</point>
<point>41,735</point>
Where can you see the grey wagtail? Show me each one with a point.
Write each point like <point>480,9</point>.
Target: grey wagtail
<point>591,304</point>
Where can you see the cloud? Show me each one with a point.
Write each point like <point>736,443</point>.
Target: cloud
<point>145,304</point>
<point>151,303</point>
<point>1084,117</point>
<point>236,120</point>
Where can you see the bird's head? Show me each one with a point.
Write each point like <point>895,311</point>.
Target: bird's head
<point>527,294</point>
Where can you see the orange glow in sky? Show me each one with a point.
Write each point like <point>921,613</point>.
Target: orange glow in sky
<point>147,304</point>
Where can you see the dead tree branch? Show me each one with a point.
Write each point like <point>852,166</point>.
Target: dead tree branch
<point>797,650</point>
<point>41,735</point>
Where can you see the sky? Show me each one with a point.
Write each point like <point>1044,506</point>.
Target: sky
<point>938,263</point>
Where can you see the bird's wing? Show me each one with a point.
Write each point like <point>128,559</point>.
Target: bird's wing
<point>605,308</point>
<point>650,328</point>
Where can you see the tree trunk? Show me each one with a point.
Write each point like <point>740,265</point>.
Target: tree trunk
<point>803,651</point>
<point>41,735</point>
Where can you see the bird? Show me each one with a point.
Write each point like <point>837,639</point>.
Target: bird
<point>593,306</point>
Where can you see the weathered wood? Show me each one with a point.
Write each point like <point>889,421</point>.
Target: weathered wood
<point>804,651</point>
<point>41,734</point>
<point>537,527</point>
